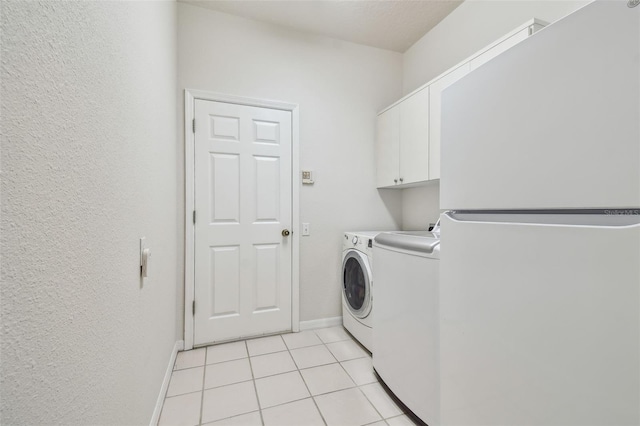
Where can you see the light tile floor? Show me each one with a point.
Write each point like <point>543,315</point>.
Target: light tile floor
<point>315,377</point>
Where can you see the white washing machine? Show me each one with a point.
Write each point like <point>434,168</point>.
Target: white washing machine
<point>357,285</point>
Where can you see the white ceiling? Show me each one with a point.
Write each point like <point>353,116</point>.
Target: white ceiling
<point>387,24</point>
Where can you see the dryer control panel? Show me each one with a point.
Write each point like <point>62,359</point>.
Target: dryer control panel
<point>362,241</point>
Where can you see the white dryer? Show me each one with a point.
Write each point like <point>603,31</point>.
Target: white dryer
<point>357,285</point>
<point>406,353</point>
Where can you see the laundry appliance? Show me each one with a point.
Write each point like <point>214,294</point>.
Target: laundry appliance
<point>540,249</point>
<point>357,285</point>
<point>405,332</point>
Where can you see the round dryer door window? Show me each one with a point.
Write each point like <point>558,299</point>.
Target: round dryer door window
<point>356,283</point>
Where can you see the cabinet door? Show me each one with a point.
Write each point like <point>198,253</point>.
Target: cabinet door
<point>387,147</point>
<point>414,138</point>
<point>498,49</point>
<point>435,95</point>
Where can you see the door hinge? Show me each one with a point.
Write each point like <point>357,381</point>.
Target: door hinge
<point>193,125</point>
<point>194,217</point>
<point>193,308</point>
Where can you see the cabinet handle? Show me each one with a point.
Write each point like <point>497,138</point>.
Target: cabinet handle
<point>395,181</point>
<point>401,180</point>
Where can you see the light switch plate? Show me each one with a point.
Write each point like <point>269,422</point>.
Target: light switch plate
<point>143,245</point>
<point>305,229</point>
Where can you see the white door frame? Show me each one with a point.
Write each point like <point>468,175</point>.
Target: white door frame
<point>190,96</point>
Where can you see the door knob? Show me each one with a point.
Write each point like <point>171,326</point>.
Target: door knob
<point>285,232</point>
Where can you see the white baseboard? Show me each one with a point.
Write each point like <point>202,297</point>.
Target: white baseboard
<point>320,323</point>
<point>165,383</point>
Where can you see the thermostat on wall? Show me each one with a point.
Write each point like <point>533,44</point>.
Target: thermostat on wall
<point>306,178</point>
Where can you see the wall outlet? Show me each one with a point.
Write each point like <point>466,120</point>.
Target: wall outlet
<point>305,229</point>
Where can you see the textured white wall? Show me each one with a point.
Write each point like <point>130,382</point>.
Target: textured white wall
<point>88,166</point>
<point>340,87</point>
<point>469,28</point>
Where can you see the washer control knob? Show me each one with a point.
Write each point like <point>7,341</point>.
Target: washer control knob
<point>354,240</point>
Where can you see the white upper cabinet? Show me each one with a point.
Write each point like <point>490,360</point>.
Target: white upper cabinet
<point>388,148</point>
<point>414,138</point>
<point>408,134</point>
<point>403,142</point>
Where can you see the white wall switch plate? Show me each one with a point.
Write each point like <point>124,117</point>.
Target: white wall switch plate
<point>145,256</point>
<point>305,229</point>
<point>143,245</point>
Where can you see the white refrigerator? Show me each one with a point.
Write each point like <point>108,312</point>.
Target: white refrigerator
<point>540,249</point>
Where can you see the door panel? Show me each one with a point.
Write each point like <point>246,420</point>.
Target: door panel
<point>224,127</point>
<point>266,277</point>
<point>267,196</point>
<point>225,280</point>
<point>267,131</point>
<point>225,188</point>
<point>243,192</point>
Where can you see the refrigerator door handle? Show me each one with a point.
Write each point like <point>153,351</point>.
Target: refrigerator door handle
<point>609,218</point>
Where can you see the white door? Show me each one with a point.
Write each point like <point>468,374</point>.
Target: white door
<point>243,191</point>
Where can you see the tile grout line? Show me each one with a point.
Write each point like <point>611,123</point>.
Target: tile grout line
<point>299,374</point>
<point>206,364</point>
<point>372,404</point>
<point>326,344</point>
<point>319,365</point>
<point>361,391</point>
<point>303,380</point>
<point>243,381</point>
<point>288,350</point>
<point>356,385</point>
<point>399,415</point>
<point>182,394</point>
<point>255,386</point>
<point>204,374</point>
<point>339,363</point>
<point>307,386</point>
<point>215,363</point>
